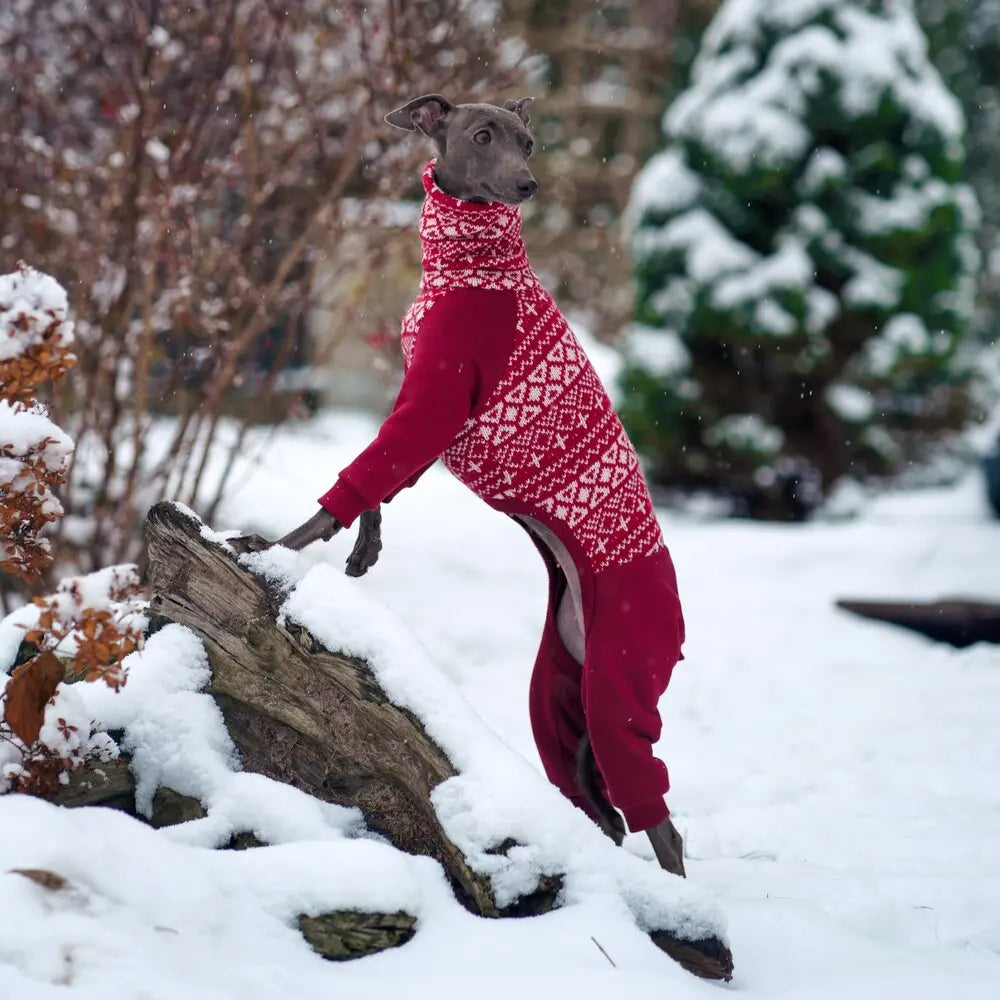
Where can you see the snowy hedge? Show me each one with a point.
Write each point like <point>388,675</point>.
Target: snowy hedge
<point>805,257</point>
<point>35,341</point>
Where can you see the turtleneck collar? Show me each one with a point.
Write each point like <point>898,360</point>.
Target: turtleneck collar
<point>467,236</point>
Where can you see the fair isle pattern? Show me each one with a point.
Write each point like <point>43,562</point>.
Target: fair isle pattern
<point>548,435</point>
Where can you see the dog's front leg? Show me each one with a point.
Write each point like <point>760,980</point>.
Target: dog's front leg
<point>321,525</point>
<point>364,555</point>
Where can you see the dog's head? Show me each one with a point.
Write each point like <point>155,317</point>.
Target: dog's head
<point>483,149</point>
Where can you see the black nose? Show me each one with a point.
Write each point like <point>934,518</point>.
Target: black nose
<point>527,188</point>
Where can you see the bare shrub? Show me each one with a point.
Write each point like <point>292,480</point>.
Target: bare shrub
<point>183,168</point>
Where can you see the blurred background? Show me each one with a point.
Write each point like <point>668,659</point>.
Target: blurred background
<point>776,223</point>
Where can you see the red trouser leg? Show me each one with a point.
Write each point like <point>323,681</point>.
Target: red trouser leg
<point>556,709</point>
<point>633,644</point>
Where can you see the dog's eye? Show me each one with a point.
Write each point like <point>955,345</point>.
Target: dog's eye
<point>528,147</point>
<point>482,137</point>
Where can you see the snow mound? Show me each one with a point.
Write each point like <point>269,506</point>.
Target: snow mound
<point>133,891</point>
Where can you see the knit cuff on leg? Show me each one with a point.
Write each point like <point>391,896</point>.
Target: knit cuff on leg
<point>343,502</point>
<point>643,815</point>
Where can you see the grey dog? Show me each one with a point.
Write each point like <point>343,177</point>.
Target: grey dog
<point>482,156</point>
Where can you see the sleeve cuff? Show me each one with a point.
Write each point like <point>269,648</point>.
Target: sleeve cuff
<point>643,815</point>
<point>343,502</point>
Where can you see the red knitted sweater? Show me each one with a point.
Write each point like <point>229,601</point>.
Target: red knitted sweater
<point>497,385</point>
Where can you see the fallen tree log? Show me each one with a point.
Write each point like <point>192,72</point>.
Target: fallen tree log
<point>960,622</point>
<point>317,719</point>
<point>302,714</point>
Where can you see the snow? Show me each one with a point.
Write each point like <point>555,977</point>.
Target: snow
<point>903,336</point>
<point>709,250</point>
<point>27,429</point>
<point>824,166</point>
<point>873,283</point>
<point>107,589</point>
<point>660,352</point>
<point>675,298</point>
<point>69,729</point>
<point>27,436</point>
<point>850,402</point>
<point>741,130</point>
<point>909,207</point>
<point>30,302</point>
<point>746,432</point>
<point>788,269</point>
<point>832,777</point>
<point>822,308</point>
<point>34,452</point>
<point>497,795</point>
<point>665,184</point>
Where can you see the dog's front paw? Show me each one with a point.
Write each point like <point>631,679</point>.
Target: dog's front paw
<point>366,549</point>
<point>250,543</point>
<point>363,556</point>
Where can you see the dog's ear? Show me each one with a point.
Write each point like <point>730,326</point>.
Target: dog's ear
<point>429,114</point>
<point>521,107</point>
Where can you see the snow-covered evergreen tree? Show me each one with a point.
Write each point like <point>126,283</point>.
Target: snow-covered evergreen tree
<point>805,257</point>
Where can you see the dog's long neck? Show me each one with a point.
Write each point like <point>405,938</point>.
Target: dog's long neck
<point>464,235</point>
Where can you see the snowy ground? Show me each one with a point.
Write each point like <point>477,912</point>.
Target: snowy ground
<point>836,781</point>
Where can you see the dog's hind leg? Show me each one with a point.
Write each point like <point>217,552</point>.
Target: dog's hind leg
<point>569,620</point>
<point>589,779</point>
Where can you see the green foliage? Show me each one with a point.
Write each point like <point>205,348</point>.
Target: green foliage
<point>805,258</point>
<point>964,44</point>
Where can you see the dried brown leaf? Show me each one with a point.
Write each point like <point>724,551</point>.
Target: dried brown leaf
<point>46,879</point>
<point>30,688</point>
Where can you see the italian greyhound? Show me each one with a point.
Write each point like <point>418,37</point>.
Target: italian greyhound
<point>482,156</point>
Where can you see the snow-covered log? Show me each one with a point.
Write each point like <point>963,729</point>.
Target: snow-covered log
<point>302,714</point>
<point>347,729</point>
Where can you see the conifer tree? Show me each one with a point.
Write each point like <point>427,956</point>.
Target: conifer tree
<point>806,258</point>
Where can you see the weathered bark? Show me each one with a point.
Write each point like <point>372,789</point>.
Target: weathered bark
<point>171,808</point>
<point>112,785</point>
<point>97,784</point>
<point>346,934</point>
<point>957,621</point>
<point>317,719</point>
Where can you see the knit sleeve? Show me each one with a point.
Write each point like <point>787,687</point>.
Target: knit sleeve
<point>454,367</point>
